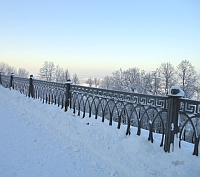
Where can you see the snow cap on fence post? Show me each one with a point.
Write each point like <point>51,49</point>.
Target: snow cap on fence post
<point>176,91</point>
<point>31,76</point>
<point>172,126</point>
<point>67,93</point>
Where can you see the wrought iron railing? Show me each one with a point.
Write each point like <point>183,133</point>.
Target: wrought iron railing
<point>142,111</point>
<point>189,122</point>
<point>166,115</point>
<point>5,80</point>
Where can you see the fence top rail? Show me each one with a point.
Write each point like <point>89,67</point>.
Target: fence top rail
<point>94,90</point>
<point>49,84</point>
<point>21,79</point>
<point>4,76</point>
<point>136,98</point>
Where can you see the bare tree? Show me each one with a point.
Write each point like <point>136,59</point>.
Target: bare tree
<point>155,83</point>
<point>22,73</point>
<point>47,71</point>
<point>66,75</point>
<point>3,67</point>
<point>118,80</point>
<point>197,88</point>
<point>10,70</point>
<point>7,69</point>
<point>59,74</point>
<point>132,79</point>
<point>96,82</point>
<point>146,83</point>
<point>167,73</point>
<point>89,82</point>
<point>106,82</point>
<point>75,79</point>
<point>188,77</point>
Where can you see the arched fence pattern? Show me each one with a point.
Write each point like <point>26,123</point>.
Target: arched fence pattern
<point>166,115</point>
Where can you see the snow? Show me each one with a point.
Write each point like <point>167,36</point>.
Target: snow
<point>180,91</point>
<point>42,140</point>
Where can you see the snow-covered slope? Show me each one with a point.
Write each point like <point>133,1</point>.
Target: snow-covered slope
<point>42,140</point>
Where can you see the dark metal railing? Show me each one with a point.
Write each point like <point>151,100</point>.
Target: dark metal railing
<point>189,119</point>
<point>166,115</point>
<point>132,109</point>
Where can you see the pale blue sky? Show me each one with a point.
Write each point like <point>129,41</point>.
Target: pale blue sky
<point>96,37</point>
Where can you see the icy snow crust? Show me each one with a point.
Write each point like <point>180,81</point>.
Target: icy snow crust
<point>42,140</point>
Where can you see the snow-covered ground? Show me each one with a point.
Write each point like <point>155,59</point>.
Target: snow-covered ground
<point>40,140</point>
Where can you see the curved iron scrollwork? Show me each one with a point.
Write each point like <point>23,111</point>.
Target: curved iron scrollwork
<point>5,80</point>
<point>142,111</point>
<point>49,92</point>
<point>21,84</point>
<point>189,118</point>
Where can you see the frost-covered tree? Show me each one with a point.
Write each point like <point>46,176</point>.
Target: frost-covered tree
<point>167,74</point>
<point>7,69</point>
<point>66,75</point>
<point>188,77</point>
<point>197,88</point>
<point>155,82</point>
<point>61,75</point>
<point>118,80</point>
<point>75,79</point>
<point>3,67</point>
<point>89,82</point>
<point>96,82</point>
<point>58,74</point>
<point>132,80</point>
<point>146,83</point>
<point>47,71</point>
<point>107,82</point>
<point>22,73</point>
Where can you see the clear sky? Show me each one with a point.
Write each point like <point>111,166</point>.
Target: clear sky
<point>96,37</point>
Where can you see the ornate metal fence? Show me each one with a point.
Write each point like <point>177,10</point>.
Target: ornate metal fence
<point>189,122</point>
<point>142,111</point>
<point>5,80</point>
<point>167,116</point>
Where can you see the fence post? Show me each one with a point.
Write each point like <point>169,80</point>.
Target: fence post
<point>11,80</point>
<point>31,87</point>
<point>0,79</point>
<point>67,93</point>
<point>172,126</point>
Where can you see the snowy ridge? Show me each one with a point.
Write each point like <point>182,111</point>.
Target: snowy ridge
<point>43,140</point>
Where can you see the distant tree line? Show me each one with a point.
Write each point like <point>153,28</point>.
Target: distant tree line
<point>7,70</point>
<point>157,82</point>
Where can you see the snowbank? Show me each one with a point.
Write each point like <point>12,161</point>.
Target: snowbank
<point>43,140</point>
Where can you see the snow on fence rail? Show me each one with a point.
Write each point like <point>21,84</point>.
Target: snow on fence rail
<point>167,115</point>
